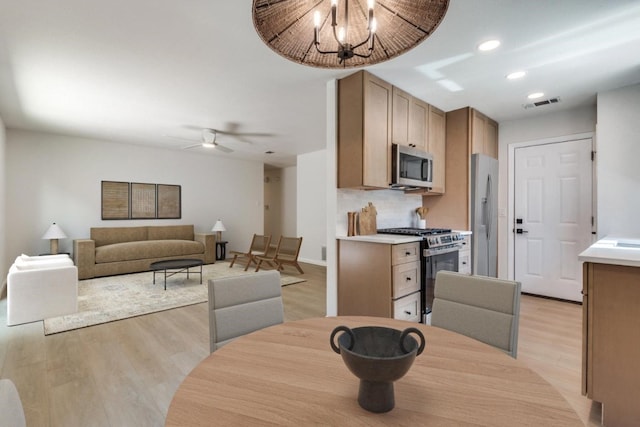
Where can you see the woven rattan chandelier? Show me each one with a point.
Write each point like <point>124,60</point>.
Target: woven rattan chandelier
<point>343,33</point>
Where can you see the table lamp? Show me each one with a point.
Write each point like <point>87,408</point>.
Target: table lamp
<point>218,228</point>
<point>53,234</point>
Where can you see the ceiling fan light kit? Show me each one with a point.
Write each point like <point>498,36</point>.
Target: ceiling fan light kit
<point>345,33</point>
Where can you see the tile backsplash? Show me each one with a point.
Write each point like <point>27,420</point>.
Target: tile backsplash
<point>395,209</point>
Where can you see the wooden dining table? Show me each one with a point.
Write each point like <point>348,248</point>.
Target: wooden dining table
<point>288,375</point>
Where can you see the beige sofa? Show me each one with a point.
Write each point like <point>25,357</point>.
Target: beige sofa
<point>121,250</point>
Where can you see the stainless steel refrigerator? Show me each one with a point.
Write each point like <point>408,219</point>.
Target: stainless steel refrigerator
<point>484,215</point>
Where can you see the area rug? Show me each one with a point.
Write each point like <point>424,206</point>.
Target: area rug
<point>106,299</point>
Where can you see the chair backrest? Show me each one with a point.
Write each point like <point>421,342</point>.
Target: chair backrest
<point>289,247</point>
<point>242,304</point>
<point>260,243</point>
<point>484,308</point>
<point>11,411</point>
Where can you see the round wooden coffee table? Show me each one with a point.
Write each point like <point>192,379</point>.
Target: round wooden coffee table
<point>175,266</point>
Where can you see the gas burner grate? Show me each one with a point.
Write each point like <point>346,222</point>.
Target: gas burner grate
<point>409,231</point>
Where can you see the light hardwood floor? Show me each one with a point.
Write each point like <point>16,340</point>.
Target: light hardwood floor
<point>125,373</point>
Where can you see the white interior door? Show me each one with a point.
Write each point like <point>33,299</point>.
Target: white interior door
<point>553,191</point>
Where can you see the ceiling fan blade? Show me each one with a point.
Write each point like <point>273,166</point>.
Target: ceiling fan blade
<point>192,146</point>
<point>223,148</point>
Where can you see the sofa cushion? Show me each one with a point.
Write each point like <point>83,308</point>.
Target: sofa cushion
<point>170,232</point>
<point>149,249</point>
<point>110,235</point>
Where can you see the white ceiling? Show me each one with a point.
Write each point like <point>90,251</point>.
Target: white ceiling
<point>144,71</point>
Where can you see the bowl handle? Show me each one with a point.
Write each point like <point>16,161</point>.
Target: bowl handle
<point>407,332</point>
<point>344,329</point>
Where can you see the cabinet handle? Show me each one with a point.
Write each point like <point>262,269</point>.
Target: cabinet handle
<point>464,263</point>
<point>407,312</point>
<point>407,253</point>
<point>408,279</point>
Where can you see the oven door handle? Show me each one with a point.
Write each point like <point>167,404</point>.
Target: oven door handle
<point>431,252</point>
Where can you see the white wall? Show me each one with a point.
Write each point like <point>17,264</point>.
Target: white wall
<point>52,178</point>
<point>312,206</point>
<point>289,202</point>
<point>3,224</point>
<point>273,202</point>
<point>617,165</point>
<point>557,124</point>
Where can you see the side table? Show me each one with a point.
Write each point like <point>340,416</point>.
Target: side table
<point>221,250</point>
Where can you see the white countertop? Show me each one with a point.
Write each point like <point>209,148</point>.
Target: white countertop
<point>390,239</point>
<point>614,250</point>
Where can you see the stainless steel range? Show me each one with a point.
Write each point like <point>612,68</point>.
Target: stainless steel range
<point>439,248</point>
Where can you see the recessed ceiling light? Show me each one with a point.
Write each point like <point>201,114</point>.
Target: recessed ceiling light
<point>516,75</point>
<point>488,45</point>
<point>535,95</point>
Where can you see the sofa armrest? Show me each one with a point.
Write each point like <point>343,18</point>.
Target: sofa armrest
<point>209,242</point>
<point>37,294</point>
<point>84,257</point>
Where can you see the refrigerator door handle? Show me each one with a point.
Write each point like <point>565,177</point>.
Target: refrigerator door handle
<point>489,213</point>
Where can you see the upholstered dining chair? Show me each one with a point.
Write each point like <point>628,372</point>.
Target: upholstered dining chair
<point>259,246</point>
<point>242,304</point>
<point>286,252</point>
<point>480,307</point>
<point>11,411</point>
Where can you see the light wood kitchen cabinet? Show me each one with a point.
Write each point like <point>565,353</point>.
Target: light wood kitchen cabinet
<point>611,341</point>
<point>484,136</point>
<point>436,145</point>
<point>364,131</point>
<point>409,117</point>
<point>379,279</point>
<point>464,255</point>
<point>453,208</point>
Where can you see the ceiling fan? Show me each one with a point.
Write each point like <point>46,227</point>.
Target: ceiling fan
<point>209,141</point>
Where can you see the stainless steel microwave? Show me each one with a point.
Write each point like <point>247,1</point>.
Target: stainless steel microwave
<point>410,167</point>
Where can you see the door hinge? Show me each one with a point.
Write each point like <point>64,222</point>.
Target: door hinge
<point>592,221</point>
<point>593,155</point>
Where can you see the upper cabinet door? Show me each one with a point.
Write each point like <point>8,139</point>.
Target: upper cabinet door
<point>364,120</point>
<point>400,117</point>
<point>409,119</point>
<point>437,147</point>
<point>484,134</point>
<point>418,123</point>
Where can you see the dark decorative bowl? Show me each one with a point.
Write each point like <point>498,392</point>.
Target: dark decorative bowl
<point>378,356</point>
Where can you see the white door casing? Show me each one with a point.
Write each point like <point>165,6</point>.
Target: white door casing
<point>553,198</point>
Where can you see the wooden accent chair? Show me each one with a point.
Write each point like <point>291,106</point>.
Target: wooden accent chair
<point>285,253</point>
<point>259,246</point>
<point>480,307</point>
<point>242,304</point>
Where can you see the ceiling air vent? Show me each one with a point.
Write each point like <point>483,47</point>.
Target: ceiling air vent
<point>549,101</point>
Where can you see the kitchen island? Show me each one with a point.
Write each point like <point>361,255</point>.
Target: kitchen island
<point>611,328</point>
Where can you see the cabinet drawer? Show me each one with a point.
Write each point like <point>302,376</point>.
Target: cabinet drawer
<point>466,243</point>
<point>406,279</point>
<point>406,252</point>
<point>464,262</point>
<point>407,308</point>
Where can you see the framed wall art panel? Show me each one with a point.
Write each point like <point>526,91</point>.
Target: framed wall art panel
<point>143,201</point>
<point>115,200</point>
<point>169,201</point>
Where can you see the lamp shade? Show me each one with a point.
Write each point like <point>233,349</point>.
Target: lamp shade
<point>54,232</point>
<point>219,226</point>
